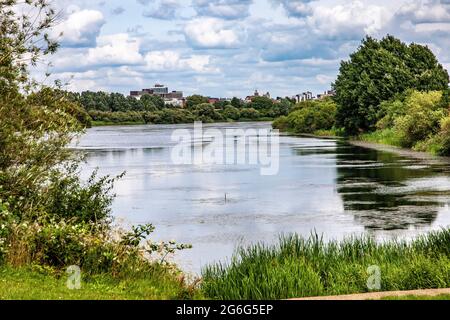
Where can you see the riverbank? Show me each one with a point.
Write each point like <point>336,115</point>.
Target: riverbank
<point>297,267</point>
<point>356,141</point>
<point>397,150</point>
<point>38,283</point>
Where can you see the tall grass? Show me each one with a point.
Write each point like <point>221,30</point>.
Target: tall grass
<point>386,136</point>
<point>298,267</point>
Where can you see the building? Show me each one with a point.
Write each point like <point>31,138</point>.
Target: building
<point>326,94</point>
<point>213,100</point>
<point>174,98</point>
<point>249,99</point>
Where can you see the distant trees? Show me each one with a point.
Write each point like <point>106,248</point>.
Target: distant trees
<point>116,108</point>
<point>232,113</point>
<point>378,71</point>
<point>309,117</point>
<point>260,103</point>
<point>195,100</point>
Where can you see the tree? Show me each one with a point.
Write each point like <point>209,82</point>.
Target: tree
<point>35,128</point>
<point>147,103</point>
<point>195,100</point>
<point>232,113</point>
<point>207,113</point>
<point>260,103</point>
<point>237,103</point>
<point>378,71</point>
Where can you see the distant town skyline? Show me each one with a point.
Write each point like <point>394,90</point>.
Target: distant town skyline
<point>226,48</point>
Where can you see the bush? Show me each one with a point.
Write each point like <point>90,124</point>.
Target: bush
<point>281,123</point>
<point>67,197</point>
<point>309,117</point>
<point>231,113</point>
<point>250,114</point>
<point>422,118</point>
<point>438,144</point>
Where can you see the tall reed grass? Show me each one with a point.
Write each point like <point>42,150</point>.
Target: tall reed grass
<point>302,267</point>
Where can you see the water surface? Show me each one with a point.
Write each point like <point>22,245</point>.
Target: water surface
<point>324,185</point>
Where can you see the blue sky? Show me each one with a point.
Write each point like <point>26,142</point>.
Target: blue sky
<point>230,48</point>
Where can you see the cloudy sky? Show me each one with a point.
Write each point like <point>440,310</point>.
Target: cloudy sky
<point>231,47</point>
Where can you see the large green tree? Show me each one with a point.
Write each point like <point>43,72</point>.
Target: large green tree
<point>195,100</point>
<point>378,71</point>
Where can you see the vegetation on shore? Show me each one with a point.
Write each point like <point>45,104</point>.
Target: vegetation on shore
<point>49,217</point>
<point>299,267</point>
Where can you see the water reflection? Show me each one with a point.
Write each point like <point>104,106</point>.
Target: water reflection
<point>388,192</point>
<point>324,185</point>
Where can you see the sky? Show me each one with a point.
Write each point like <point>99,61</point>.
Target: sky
<point>226,48</point>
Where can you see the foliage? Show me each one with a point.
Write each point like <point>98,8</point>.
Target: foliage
<point>298,267</point>
<point>259,103</point>
<point>377,72</point>
<point>439,143</point>
<point>237,103</point>
<point>232,113</point>
<point>414,120</point>
<point>195,100</point>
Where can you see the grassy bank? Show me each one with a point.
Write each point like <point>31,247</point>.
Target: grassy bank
<point>298,267</point>
<point>39,284</point>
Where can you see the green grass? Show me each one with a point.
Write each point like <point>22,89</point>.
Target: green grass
<point>298,267</point>
<point>386,136</point>
<point>31,284</point>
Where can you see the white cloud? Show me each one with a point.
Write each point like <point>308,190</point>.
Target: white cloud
<point>111,50</point>
<point>117,49</point>
<point>348,21</point>
<point>80,29</point>
<point>210,33</point>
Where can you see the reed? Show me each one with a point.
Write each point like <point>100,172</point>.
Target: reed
<point>301,267</point>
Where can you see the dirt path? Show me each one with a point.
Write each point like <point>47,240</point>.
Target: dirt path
<point>380,295</point>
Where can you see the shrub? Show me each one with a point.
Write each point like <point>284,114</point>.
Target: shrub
<point>232,113</point>
<point>68,197</point>
<point>312,116</point>
<point>281,123</point>
<point>422,117</point>
<point>438,144</point>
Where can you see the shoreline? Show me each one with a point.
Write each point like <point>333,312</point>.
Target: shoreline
<point>397,150</point>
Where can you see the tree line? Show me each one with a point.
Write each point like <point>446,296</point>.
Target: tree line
<point>116,108</point>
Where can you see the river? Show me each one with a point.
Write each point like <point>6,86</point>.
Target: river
<point>323,185</point>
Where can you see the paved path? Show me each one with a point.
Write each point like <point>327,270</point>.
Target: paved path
<point>380,295</point>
